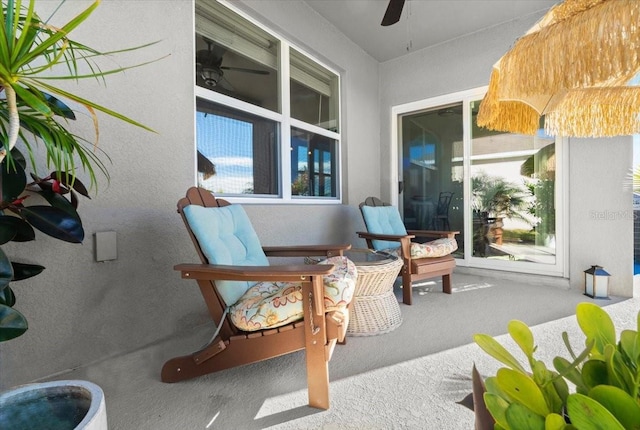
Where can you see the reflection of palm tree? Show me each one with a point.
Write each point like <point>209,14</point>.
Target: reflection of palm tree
<point>495,197</point>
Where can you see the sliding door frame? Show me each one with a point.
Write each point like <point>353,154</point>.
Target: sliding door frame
<point>561,266</point>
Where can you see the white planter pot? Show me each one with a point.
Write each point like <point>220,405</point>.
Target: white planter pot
<point>56,405</point>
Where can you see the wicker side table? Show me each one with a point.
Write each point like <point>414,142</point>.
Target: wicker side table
<point>375,309</point>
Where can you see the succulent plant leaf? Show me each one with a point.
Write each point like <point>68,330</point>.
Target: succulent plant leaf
<point>521,417</point>
<point>497,406</point>
<point>524,390</point>
<point>497,351</point>
<point>596,324</point>
<point>522,335</point>
<point>619,403</point>
<point>587,414</point>
<point>554,422</point>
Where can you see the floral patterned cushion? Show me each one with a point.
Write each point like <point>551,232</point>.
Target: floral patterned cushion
<point>435,248</point>
<point>274,304</point>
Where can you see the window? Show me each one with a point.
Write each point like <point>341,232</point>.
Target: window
<point>267,114</point>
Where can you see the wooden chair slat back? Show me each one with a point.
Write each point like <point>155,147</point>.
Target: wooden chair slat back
<point>373,201</point>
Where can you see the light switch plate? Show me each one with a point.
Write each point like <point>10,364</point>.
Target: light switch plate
<point>106,246</point>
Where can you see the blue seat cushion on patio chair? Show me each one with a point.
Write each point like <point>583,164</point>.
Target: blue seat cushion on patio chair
<point>226,237</point>
<point>274,304</point>
<point>383,220</point>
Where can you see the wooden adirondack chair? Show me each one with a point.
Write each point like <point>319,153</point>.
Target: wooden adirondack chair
<point>317,333</point>
<point>385,228</point>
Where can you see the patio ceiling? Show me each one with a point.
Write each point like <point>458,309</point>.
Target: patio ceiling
<point>423,23</point>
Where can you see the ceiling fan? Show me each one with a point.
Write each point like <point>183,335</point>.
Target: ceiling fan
<point>393,13</point>
<point>210,69</point>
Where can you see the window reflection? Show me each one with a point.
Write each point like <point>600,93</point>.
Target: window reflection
<point>313,164</point>
<point>513,196</point>
<point>314,93</point>
<point>237,151</point>
<point>235,57</point>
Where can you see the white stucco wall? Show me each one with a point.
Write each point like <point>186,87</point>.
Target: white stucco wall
<point>601,211</point>
<point>81,311</point>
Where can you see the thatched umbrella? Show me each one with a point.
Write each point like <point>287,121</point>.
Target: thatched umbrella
<point>574,67</point>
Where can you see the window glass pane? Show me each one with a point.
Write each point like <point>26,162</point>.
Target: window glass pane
<point>313,164</point>
<point>513,195</point>
<point>432,172</point>
<point>237,151</point>
<point>314,92</point>
<point>235,57</point>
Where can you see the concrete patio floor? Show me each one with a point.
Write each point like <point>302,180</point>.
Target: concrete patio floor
<point>410,378</point>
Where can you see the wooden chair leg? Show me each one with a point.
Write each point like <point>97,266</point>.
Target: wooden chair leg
<point>315,339</point>
<point>221,355</point>
<point>446,284</point>
<point>406,288</point>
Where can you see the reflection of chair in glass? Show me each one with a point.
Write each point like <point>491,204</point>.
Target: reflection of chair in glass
<point>420,260</point>
<point>293,307</point>
<point>442,211</point>
<point>425,210</point>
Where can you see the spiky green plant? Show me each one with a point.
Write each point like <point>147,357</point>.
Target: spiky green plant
<point>34,54</point>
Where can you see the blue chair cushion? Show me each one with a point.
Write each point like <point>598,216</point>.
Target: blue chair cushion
<point>383,220</point>
<point>226,236</point>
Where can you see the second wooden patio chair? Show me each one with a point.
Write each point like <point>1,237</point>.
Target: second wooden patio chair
<point>429,259</point>
<point>261,310</point>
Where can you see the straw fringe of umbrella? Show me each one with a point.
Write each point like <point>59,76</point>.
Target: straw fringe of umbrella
<point>573,67</point>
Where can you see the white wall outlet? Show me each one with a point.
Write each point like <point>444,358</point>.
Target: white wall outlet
<point>106,246</point>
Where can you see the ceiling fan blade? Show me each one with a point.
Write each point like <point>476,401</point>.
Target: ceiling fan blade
<point>242,69</point>
<point>393,13</point>
<point>225,84</point>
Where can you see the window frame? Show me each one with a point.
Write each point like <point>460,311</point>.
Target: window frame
<point>285,123</point>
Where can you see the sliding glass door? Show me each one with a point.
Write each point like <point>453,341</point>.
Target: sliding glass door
<point>501,191</point>
<point>432,174</point>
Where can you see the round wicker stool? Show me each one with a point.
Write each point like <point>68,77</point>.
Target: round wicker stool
<point>375,309</point>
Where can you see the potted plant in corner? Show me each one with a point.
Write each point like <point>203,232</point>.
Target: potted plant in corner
<point>606,377</point>
<point>33,115</point>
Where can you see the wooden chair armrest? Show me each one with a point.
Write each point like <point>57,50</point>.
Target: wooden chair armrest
<point>433,233</point>
<point>305,250</point>
<point>289,272</point>
<point>390,237</point>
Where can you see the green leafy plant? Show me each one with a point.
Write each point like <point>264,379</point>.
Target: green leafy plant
<point>606,377</point>
<point>33,54</point>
